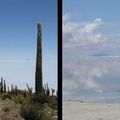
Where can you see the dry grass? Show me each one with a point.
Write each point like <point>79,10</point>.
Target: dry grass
<point>9,110</point>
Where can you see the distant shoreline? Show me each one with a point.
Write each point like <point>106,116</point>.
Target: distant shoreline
<point>82,101</point>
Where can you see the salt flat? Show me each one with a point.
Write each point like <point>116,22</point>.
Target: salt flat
<point>90,111</point>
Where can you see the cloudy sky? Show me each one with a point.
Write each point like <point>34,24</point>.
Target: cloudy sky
<point>91,46</point>
<point>18,40</point>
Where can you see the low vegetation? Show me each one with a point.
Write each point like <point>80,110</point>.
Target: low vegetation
<point>39,107</point>
<point>31,106</point>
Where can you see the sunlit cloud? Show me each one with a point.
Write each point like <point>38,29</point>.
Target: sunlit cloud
<point>77,34</point>
<point>86,35</point>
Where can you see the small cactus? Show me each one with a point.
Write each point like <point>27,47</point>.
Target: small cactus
<point>16,91</point>
<point>43,90</point>
<point>29,90</point>
<point>53,90</point>
<point>48,90</point>
<point>12,89</point>
<point>8,90</point>
<point>25,93</point>
<point>4,87</point>
<point>1,84</point>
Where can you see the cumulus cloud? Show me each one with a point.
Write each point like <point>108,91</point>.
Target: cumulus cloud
<point>78,76</point>
<point>81,41</point>
<point>95,76</point>
<point>91,26</point>
<point>70,27</point>
<point>78,34</point>
<point>93,85</point>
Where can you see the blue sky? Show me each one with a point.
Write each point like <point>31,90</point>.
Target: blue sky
<point>18,38</point>
<point>89,9</point>
<point>91,46</point>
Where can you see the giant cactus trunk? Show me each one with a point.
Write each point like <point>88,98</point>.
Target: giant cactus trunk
<point>38,74</point>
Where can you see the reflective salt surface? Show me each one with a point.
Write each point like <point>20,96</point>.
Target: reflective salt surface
<point>92,78</point>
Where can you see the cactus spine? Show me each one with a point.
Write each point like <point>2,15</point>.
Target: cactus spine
<point>38,74</point>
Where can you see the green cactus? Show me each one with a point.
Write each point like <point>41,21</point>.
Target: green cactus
<point>29,90</point>
<point>4,87</point>
<point>43,90</point>
<point>1,84</point>
<point>8,90</point>
<point>16,91</point>
<point>53,90</point>
<point>38,74</point>
<point>48,90</point>
<point>25,93</point>
<point>12,89</point>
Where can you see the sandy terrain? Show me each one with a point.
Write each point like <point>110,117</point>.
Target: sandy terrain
<point>90,111</point>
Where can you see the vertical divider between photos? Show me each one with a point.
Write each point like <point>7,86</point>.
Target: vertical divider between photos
<point>59,2</point>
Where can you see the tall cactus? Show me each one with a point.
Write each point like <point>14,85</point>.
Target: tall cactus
<point>38,74</point>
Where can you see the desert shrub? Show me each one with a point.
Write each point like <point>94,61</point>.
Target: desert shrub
<point>53,102</point>
<point>19,99</point>
<point>5,96</point>
<point>39,107</point>
<point>40,99</point>
<point>34,112</point>
<point>45,113</point>
<point>6,109</point>
<point>29,112</point>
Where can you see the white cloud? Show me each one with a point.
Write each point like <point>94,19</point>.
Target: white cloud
<point>90,27</point>
<point>70,27</point>
<point>77,76</point>
<point>78,34</point>
<point>95,36</point>
<point>97,72</point>
<point>92,84</point>
<point>66,17</point>
<point>98,20</point>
